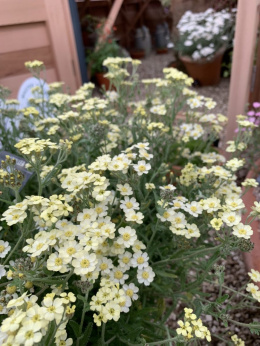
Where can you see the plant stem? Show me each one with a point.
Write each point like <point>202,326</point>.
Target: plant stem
<point>17,196</point>
<point>103,334</point>
<point>153,235</point>
<point>110,340</point>
<point>161,342</point>
<point>14,249</point>
<point>82,318</point>
<point>188,256</point>
<point>5,201</point>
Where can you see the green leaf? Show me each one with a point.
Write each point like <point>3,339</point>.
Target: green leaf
<point>85,337</point>
<point>197,307</point>
<point>254,328</point>
<point>76,328</point>
<point>221,300</point>
<point>165,274</point>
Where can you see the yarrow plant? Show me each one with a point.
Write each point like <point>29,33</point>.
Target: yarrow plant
<point>202,35</point>
<point>105,241</point>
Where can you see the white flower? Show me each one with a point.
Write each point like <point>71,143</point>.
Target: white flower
<point>112,95</point>
<point>12,323</point>
<point>196,55</point>
<point>169,187</point>
<point>144,154</point>
<point>52,309</point>
<point>29,334</point>
<point>160,110</point>
<point>4,248</point>
<point>2,271</point>
<point>188,43</point>
<point>191,231</point>
<point>242,231</point>
<point>118,275</point>
<point>3,337</point>
<point>231,218</point>
<point>125,304</point>
<point>193,208</point>
<point>128,236</point>
<point>84,263</point>
<point>57,263</point>
<point>254,275</point>
<point>145,276</point>
<point>178,220</point>
<point>125,189</point>
<point>144,145</point>
<point>140,259</point>
<point>142,167</point>
<point>138,245</point>
<point>134,217</point>
<point>125,260</point>
<point>105,264</point>
<point>128,204</point>
<point>131,290</point>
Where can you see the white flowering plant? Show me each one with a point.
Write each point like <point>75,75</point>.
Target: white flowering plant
<point>105,242</point>
<point>201,35</point>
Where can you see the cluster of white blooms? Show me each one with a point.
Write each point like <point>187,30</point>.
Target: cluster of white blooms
<point>224,206</point>
<point>28,322</point>
<point>202,34</point>
<point>188,131</point>
<point>46,211</point>
<point>252,288</point>
<point>200,101</point>
<point>159,109</point>
<point>175,76</point>
<point>95,245</point>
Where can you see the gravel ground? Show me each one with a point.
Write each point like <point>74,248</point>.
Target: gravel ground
<point>235,277</point>
<point>153,65</point>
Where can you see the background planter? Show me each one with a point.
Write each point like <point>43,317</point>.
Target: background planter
<point>206,72</point>
<point>137,54</point>
<point>102,80</point>
<point>252,258</point>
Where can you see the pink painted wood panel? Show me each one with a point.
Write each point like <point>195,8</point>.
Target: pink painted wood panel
<point>42,30</point>
<point>242,65</point>
<point>21,11</point>
<point>23,36</point>
<point>13,83</point>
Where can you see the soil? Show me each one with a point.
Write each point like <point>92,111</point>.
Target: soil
<point>235,277</point>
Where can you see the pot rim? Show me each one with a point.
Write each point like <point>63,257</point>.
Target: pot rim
<point>188,59</point>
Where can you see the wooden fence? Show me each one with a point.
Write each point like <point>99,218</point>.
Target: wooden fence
<point>245,74</point>
<point>37,29</point>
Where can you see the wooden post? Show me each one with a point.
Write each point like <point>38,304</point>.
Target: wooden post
<point>112,18</point>
<point>64,48</point>
<point>242,65</point>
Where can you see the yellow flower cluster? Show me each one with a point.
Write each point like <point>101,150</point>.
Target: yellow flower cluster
<point>192,327</point>
<point>28,322</point>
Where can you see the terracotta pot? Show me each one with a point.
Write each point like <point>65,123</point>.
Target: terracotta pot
<point>102,80</point>
<point>252,258</point>
<point>206,72</point>
<point>162,50</point>
<point>137,54</point>
<point>173,64</point>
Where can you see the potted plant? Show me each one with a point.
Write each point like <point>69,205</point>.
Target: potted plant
<point>106,47</point>
<point>201,43</point>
